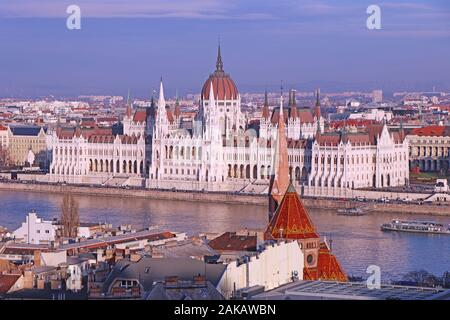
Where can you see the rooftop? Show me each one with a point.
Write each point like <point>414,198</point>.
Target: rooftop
<point>331,290</point>
<point>25,130</point>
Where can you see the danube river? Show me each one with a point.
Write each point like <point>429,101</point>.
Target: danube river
<point>357,241</point>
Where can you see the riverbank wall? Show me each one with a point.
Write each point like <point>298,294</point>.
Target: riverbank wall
<point>226,198</point>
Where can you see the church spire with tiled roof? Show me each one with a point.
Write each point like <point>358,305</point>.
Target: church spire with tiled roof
<point>279,180</point>
<point>291,220</point>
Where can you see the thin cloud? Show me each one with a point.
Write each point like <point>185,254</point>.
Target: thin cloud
<point>188,9</point>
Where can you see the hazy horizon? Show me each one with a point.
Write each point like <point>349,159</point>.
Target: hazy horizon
<point>307,44</point>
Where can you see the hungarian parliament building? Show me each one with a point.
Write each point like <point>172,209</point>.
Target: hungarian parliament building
<point>219,150</point>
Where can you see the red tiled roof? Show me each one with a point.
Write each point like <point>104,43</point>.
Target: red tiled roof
<point>7,281</point>
<point>296,144</point>
<point>374,132</point>
<point>69,133</point>
<point>356,138</point>
<point>230,241</point>
<point>434,131</point>
<point>291,220</point>
<point>351,123</point>
<point>101,139</point>
<point>305,115</point>
<point>328,139</point>
<point>224,87</point>
<point>140,116</point>
<point>328,267</point>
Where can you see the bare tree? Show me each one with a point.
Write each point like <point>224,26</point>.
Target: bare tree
<point>70,219</point>
<point>4,157</point>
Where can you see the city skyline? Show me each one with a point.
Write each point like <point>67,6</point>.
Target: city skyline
<point>307,44</point>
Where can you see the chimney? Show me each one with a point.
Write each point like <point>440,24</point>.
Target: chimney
<point>37,258</point>
<point>199,280</point>
<point>171,281</point>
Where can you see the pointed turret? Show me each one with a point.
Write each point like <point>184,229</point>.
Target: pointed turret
<point>265,112</point>
<point>279,180</point>
<point>162,120</point>
<point>151,109</point>
<point>212,101</point>
<point>177,111</point>
<point>161,100</point>
<point>293,107</point>
<point>129,111</point>
<point>317,111</point>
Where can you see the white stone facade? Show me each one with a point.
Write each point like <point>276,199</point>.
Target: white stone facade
<point>276,265</point>
<point>221,151</point>
<point>359,161</point>
<point>35,230</point>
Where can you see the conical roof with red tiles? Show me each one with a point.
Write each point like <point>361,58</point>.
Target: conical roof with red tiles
<point>291,220</point>
<point>328,267</point>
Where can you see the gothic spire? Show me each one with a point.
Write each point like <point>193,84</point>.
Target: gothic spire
<point>317,111</point>
<point>318,98</point>
<point>219,63</point>
<point>161,100</point>
<point>152,101</point>
<point>265,112</point>
<point>129,111</point>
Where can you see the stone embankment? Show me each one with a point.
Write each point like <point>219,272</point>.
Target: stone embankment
<point>227,198</point>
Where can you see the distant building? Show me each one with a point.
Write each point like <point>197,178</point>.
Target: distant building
<point>374,157</point>
<point>373,114</point>
<point>430,148</point>
<point>377,96</point>
<point>221,149</point>
<point>22,139</point>
<point>4,137</point>
<point>35,230</point>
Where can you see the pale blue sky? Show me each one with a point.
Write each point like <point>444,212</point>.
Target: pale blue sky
<point>307,43</point>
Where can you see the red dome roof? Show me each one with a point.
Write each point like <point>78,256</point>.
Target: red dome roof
<point>224,87</point>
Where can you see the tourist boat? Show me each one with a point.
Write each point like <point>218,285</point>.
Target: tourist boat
<point>350,212</point>
<point>416,226</point>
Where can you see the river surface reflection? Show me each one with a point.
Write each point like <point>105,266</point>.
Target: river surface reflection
<point>357,241</point>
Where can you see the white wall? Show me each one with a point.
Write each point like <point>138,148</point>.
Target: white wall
<point>271,268</point>
<point>35,230</point>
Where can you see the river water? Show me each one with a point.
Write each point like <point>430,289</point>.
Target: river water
<point>356,241</point>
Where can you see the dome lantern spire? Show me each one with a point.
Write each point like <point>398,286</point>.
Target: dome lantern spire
<point>219,63</point>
